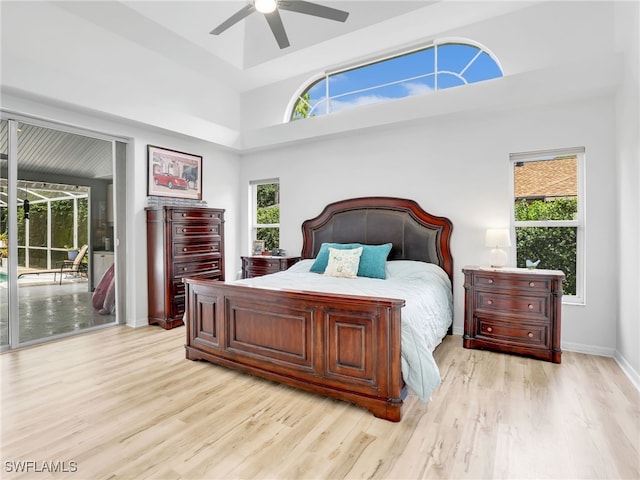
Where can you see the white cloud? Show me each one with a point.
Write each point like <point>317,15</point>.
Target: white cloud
<point>337,105</point>
<point>416,88</point>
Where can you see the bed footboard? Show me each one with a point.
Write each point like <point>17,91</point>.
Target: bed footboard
<point>343,346</point>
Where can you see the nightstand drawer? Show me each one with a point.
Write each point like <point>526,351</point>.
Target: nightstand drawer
<point>522,304</point>
<point>513,282</point>
<point>258,266</point>
<point>260,263</point>
<point>517,332</point>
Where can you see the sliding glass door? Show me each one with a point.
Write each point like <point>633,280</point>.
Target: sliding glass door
<point>4,239</point>
<point>54,190</point>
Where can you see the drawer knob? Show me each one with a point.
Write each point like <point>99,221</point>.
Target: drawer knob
<point>532,284</point>
<point>184,230</point>
<point>489,302</point>
<point>530,335</point>
<point>184,214</point>
<point>489,329</point>
<point>184,249</point>
<point>530,307</point>
<point>490,280</point>
<point>184,269</point>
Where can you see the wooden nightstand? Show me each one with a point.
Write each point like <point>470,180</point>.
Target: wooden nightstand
<point>262,265</point>
<point>513,310</point>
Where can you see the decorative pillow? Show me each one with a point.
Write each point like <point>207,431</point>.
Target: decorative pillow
<point>320,264</point>
<point>374,260</point>
<point>343,263</point>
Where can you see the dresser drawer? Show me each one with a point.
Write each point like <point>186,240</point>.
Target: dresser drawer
<point>536,335</point>
<point>191,230</point>
<point>178,305</point>
<point>197,269</point>
<point>196,248</point>
<point>189,214</point>
<point>517,304</point>
<point>512,282</point>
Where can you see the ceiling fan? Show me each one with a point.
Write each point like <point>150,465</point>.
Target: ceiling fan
<point>270,10</point>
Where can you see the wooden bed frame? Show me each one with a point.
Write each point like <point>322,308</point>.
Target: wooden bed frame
<point>343,346</point>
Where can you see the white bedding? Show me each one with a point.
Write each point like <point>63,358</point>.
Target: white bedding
<point>427,314</point>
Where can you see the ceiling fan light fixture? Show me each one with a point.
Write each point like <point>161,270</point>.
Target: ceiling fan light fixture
<point>265,6</point>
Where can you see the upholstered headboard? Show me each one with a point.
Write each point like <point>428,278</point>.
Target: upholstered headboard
<point>414,233</point>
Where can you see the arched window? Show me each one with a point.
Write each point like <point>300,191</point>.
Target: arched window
<point>436,67</point>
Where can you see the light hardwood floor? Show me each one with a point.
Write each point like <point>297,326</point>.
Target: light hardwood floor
<point>123,403</point>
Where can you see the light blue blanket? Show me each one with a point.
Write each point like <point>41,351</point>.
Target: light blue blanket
<point>427,314</point>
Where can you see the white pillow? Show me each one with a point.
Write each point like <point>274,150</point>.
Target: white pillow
<point>343,263</point>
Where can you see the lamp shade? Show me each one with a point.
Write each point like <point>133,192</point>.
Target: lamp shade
<point>497,237</point>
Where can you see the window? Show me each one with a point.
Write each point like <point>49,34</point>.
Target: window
<point>548,214</point>
<point>265,216</point>
<point>435,67</point>
<point>58,217</point>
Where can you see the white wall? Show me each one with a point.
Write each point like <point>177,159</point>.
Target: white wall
<point>628,163</point>
<point>458,166</point>
<point>219,179</point>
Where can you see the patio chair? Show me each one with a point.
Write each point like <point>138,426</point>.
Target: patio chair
<point>74,266</point>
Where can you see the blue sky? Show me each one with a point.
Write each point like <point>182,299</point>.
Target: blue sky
<point>406,75</point>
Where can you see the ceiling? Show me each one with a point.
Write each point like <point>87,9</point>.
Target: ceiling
<point>250,43</point>
<point>246,56</point>
<point>58,153</point>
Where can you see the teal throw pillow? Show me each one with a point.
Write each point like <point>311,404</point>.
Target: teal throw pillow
<point>372,261</point>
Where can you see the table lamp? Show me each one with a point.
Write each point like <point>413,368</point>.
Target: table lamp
<point>497,238</point>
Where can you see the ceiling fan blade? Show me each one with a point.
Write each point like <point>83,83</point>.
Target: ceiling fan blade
<point>314,9</point>
<point>275,22</point>
<point>233,19</point>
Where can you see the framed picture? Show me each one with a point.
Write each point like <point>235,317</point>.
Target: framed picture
<point>173,174</point>
<point>258,247</point>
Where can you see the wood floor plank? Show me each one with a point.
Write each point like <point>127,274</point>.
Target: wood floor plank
<point>124,403</point>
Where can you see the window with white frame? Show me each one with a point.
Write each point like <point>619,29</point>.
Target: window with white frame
<point>265,212</point>
<point>437,66</point>
<point>548,214</point>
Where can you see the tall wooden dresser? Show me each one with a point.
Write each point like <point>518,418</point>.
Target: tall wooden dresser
<point>181,242</point>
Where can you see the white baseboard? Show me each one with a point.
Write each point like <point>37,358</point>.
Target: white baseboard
<point>138,322</point>
<point>588,349</point>
<point>628,370</point>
